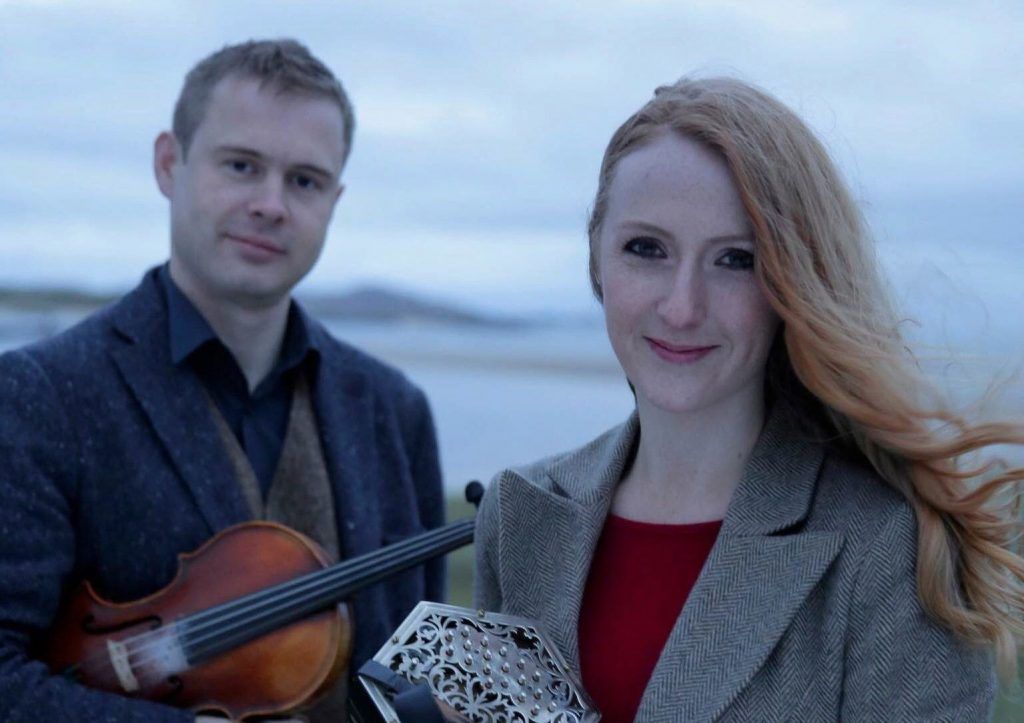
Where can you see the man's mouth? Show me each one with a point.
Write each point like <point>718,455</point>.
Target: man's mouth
<point>256,242</point>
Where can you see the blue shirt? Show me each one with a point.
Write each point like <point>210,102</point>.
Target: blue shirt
<point>258,419</point>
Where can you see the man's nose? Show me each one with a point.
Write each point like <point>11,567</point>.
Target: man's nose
<point>684,303</point>
<point>268,201</point>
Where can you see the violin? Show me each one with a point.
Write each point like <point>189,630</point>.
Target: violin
<point>251,625</point>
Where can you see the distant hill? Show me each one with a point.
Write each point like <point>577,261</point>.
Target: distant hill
<point>52,299</point>
<point>373,303</point>
<point>369,303</point>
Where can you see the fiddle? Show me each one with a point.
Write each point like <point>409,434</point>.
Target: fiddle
<point>251,625</point>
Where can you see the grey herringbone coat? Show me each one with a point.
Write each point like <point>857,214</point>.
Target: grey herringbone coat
<point>806,609</point>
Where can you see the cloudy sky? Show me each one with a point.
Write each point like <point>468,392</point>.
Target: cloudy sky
<point>481,128</point>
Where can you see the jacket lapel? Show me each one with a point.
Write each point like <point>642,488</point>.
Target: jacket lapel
<point>559,529</point>
<point>554,541</point>
<point>345,413</point>
<point>738,611</point>
<point>175,404</point>
<point>758,573</point>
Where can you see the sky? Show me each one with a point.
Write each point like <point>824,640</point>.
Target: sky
<point>481,127</point>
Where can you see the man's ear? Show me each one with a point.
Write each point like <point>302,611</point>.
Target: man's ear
<point>166,158</point>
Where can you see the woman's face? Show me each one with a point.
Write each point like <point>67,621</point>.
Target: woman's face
<point>685,313</point>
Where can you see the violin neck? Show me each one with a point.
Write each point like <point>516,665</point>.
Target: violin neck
<point>219,629</point>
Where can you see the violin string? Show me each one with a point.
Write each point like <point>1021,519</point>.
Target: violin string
<point>339,569</point>
<point>280,598</point>
<point>237,629</point>
<point>244,607</point>
<point>281,606</point>
<point>270,619</point>
<point>324,579</point>
<point>192,643</point>
<point>143,643</point>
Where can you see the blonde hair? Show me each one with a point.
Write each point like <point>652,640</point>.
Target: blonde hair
<point>840,357</point>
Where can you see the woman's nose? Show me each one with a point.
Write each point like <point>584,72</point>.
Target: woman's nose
<point>684,303</point>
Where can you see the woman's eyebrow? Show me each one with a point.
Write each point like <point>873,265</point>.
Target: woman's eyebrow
<point>644,226</point>
<point>730,237</point>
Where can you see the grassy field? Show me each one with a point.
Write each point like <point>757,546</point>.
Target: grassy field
<point>460,592</point>
<point>460,562</point>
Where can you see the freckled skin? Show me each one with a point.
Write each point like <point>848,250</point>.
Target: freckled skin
<point>675,255</point>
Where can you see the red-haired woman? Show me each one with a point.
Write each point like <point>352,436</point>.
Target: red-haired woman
<point>790,526</point>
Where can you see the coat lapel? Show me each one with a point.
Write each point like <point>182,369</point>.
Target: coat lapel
<point>738,611</point>
<point>554,541</point>
<point>554,533</point>
<point>758,574</point>
<point>175,404</point>
<point>344,408</point>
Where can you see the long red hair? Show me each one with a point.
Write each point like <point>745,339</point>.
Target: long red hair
<point>841,359</point>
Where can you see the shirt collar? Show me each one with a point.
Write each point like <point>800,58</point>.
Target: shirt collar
<point>298,343</point>
<point>189,330</point>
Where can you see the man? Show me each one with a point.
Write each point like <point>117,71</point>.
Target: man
<point>206,397</point>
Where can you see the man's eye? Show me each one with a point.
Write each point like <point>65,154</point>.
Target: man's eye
<point>305,182</point>
<point>240,166</point>
<point>736,259</point>
<point>644,247</point>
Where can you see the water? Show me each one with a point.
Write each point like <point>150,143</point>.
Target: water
<point>505,396</point>
<point>499,396</point>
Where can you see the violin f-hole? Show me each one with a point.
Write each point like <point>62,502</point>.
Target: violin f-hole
<point>177,686</point>
<point>90,626</point>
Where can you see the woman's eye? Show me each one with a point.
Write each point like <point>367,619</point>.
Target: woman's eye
<point>644,247</point>
<point>736,259</point>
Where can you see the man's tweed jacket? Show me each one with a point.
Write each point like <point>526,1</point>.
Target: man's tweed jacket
<point>805,610</point>
<point>111,465</point>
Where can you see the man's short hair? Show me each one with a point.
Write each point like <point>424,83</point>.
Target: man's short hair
<point>285,66</point>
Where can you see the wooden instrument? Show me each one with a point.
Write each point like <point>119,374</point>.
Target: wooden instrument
<point>250,625</point>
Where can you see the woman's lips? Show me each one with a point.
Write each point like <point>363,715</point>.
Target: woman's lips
<point>676,353</point>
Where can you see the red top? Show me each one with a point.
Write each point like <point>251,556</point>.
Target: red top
<point>639,580</point>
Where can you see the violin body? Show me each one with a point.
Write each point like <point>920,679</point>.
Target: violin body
<point>135,648</point>
<point>251,625</point>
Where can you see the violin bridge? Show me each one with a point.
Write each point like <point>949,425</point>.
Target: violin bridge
<point>157,656</point>
<point>122,666</point>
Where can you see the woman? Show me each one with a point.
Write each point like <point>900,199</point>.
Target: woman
<point>786,528</point>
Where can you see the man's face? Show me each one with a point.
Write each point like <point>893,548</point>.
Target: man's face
<point>251,202</point>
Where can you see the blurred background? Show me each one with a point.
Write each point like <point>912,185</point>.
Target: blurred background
<point>458,251</point>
